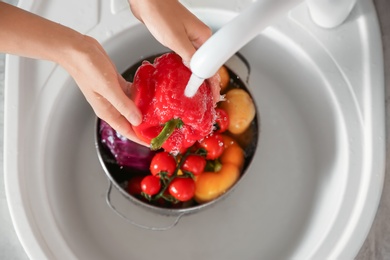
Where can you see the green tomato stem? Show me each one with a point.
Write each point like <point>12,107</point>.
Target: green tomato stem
<point>174,175</point>
<point>166,181</point>
<point>213,165</point>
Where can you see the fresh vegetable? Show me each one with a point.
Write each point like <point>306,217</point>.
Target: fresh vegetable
<point>228,141</point>
<point>194,164</point>
<point>178,186</point>
<point>163,163</point>
<point>170,119</point>
<point>224,78</point>
<point>221,121</point>
<point>150,185</point>
<point>125,152</point>
<point>212,184</point>
<point>240,108</point>
<point>182,189</point>
<point>203,155</point>
<point>213,144</point>
<point>134,185</point>
<point>233,154</point>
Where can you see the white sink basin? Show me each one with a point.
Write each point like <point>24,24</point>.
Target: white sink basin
<point>311,192</point>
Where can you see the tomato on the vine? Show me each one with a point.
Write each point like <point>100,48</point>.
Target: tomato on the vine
<point>151,185</point>
<point>213,144</point>
<point>222,120</point>
<point>134,185</point>
<point>163,162</point>
<point>182,189</point>
<point>194,163</point>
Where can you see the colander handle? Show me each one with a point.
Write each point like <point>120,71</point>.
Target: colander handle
<point>164,228</point>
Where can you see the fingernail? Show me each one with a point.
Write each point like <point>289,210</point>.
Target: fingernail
<point>135,118</point>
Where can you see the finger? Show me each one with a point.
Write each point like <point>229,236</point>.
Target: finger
<point>179,42</point>
<point>125,85</point>
<point>198,32</point>
<point>122,103</point>
<point>105,111</point>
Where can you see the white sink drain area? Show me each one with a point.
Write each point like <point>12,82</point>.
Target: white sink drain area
<point>310,193</point>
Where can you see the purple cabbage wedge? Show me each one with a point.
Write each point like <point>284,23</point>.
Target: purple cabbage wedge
<point>126,153</point>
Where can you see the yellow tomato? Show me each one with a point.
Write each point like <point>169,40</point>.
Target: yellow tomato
<point>233,154</point>
<point>210,185</point>
<point>228,141</point>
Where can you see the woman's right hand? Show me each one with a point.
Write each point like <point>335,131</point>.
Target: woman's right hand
<point>175,27</point>
<point>172,24</point>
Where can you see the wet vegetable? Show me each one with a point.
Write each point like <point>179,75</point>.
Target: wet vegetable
<point>213,183</point>
<point>134,185</point>
<point>125,152</point>
<point>213,145</point>
<point>224,78</point>
<point>196,164</point>
<point>150,185</point>
<point>163,163</point>
<point>240,108</point>
<point>170,119</point>
<point>182,189</point>
<point>222,120</point>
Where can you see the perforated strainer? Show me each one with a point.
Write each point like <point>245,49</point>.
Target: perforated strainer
<point>117,175</point>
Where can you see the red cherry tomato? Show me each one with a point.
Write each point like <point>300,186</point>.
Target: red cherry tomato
<point>163,162</point>
<point>134,185</point>
<point>182,189</point>
<point>194,164</point>
<point>213,144</point>
<point>222,121</point>
<point>151,185</point>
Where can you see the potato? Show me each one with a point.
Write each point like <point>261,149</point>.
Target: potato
<point>225,78</point>
<point>240,108</point>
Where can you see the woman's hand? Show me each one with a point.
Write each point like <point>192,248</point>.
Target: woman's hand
<point>105,89</point>
<point>172,25</point>
<point>175,27</point>
<point>25,34</point>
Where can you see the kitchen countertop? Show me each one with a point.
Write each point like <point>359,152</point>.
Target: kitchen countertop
<point>377,244</point>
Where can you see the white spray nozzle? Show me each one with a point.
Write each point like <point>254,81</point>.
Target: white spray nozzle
<point>233,36</point>
<point>193,85</point>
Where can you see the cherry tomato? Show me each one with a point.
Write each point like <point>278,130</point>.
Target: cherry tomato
<point>182,189</point>
<point>222,121</point>
<point>134,185</point>
<point>194,164</point>
<point>151,185</point>
<point>163,162</point>
<point>213,144</point>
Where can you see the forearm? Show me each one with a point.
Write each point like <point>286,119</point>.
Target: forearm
<point>25,34</point>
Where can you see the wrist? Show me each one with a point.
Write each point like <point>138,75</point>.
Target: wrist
<point>77,50</point>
